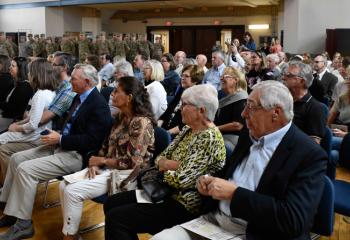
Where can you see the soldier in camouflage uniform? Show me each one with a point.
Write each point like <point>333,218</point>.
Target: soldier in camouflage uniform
<point>37,47</point>
<point>42,41</point>
<point>119,47</point>
<point>14,46</point>
<point>28,46</point>
<point>126,38</point>
<point>50,47</point>
<point>133,46</point>
<point>85,47</point>
<point>102,45</point>
<point>145,47</point>
<point>5,46</point>
<point>158,49</point>
<point>67,45</point>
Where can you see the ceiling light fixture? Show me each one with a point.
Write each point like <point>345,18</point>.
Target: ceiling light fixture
<point>258,26</point>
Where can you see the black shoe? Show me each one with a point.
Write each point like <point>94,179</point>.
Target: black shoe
<point>7,221</point>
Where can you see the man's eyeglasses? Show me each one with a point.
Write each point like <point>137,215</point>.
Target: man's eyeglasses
<point>290,75</point>
<point>163,61</point>
<point>318,61</point>
<point>184,104</point>
<point>251,107</point>
<point>57,65</point>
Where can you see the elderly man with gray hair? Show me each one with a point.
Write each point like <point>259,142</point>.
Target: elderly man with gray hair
<point>309,114</point>
<point>272,186</point>
<point>213,76</point>
<point>86,126</point>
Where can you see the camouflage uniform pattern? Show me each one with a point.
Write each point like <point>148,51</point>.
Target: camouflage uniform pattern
<point>85,49</point>
<point>6,47</point>
<point>144,48</point>
<point>67,46</point>
<point>158,51</point>
<point>133,46</point>
<point>120,48</point>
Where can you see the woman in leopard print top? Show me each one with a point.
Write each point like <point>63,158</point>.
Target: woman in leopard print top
<point>199,149</point>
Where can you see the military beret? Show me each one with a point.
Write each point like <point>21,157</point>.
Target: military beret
<point>36,35</point>
<point>42,35</point>
<point>30,35</point>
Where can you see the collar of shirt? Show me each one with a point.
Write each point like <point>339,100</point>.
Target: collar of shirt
<point>85,94</point>
<point>272,140</point>
<point>221,68</point>
<point>307,97</point>
<point>320,75</point>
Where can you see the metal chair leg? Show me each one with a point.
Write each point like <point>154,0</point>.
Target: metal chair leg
<point>91,228</point>
<point>44,203</point>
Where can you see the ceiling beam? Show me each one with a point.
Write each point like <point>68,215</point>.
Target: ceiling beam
<point>196,12</point>
<point>250,3</point>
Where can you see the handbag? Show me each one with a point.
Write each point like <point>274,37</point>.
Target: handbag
<point>151,181</point>
<point>117,177</point>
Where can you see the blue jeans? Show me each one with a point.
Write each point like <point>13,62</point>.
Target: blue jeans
<point>334,158</point>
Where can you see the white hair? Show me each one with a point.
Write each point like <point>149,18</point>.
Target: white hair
<point>220,54</point>
<point>124,67</point>
<point>89,72</point>
<point>274,57</point>
<point>305,71</point>
<point>204,95</point>
<point>274,93</point>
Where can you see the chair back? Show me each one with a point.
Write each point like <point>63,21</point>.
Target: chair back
<point>161,140</point>
<point>344,153</point>
<point>324,218</point>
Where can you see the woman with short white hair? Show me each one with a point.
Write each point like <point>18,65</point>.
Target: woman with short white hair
<point>153,73</point>
<point>197,150</point>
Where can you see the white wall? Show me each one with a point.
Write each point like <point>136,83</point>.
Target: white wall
<point>31,20</point>
<point>91,24</point>
<point>305,23</point>
<point>139,27</point>
<point>72,19</point>
<point>54,21</point>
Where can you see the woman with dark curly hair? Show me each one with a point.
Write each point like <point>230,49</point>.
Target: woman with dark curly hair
<point>128,146</point>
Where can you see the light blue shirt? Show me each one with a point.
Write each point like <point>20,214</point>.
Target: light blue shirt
<point>248,173</point>
<point>107,72</point>
<point>82,97</point>
<point>213,76</point>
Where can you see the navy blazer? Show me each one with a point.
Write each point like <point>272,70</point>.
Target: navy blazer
<point>287,197</point>
<point>90,126</point>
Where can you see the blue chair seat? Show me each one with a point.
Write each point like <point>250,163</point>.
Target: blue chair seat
<point>342,197</point>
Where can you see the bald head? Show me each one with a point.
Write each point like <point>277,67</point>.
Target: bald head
<point>180,57</point>
<point>201,60</point>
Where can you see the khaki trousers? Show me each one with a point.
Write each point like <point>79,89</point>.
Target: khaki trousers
<point>6,151</point>
<point>27,169</point>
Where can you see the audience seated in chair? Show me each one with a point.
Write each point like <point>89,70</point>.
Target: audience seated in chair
<point>153,73</point>
<point>129,146</point>
<point>87,125</point>
<point>25,134</point>
<point>258,194</point>
<point>197,150</point>
<point>309,115</point>
<point>228,117</point>
<point>17,100</point>
<point>171,119</point>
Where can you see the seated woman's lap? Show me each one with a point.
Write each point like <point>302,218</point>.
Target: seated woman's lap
<point>122,208</point>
